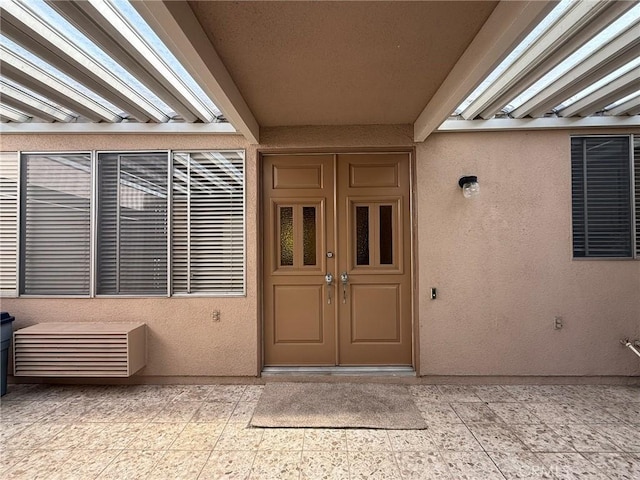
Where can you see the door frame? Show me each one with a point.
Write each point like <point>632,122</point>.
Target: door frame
<point>411,151</point>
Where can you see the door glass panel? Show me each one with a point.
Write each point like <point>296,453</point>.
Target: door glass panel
<point>309,234</point>
<point>286,236</point>
<point>386,235</point>
<point>362,235</point>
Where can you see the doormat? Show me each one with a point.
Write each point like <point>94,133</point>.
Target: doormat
<point>337,405</point>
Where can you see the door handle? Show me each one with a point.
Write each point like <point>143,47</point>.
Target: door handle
<point>328,278</point>
<point>344,278</point>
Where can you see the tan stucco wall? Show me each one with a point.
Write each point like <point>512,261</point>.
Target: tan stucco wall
<point>501,262</point>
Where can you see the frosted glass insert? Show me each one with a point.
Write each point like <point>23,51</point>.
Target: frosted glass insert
<point>362,235</point>
<point>386,235</point>
<point>309,234</point>
<point>286,236</point>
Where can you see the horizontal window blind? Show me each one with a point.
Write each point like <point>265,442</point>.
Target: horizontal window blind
<point>601,197</point>
<point>56,232</point>
<point>132,223</point>
<point>9,166</point>
<point>208,222</point>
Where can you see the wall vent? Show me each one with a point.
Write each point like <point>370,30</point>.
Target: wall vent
<point>79,350</point>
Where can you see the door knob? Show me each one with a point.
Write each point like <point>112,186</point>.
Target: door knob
<point>328,278</point>
<point>344,278</point>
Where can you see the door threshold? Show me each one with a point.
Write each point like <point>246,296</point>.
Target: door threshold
<point>355,371</point>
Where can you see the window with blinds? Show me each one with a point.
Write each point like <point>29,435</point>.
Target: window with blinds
<point>602,174</point>
<point>132,224</point>
<point>8,223</point>
<point>56,229</point>
<point>208,223</point>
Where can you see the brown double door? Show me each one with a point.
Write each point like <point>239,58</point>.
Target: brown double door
<point>337,276</point>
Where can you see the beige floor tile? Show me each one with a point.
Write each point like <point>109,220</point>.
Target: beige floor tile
<point>373,466</point>
<point>114,436</point>
<point>574,466</point>
<point>475,413</point>
<point>471,466</point>
<point>368,440</point>
<point>493,393</point>
<point>228,465</point>
<point>71,412</point>
<point>434,412</point>
<point>38,464</point>
<point>74,435</point>
<point>584,438</point>
<point>422,466</point>
<point>156,436</point>
<point>85,464</point>
<point>194,393</point>
<point>424,390</point>
<point>520,465</point>
<point>454,437</point>
<point>513,412</point>
<point>131,464</point>
<point>14,411</point>
<point>198,436</point>
<point>178,411</point>
<point>276,465</point>
<point>282,439</point>
<point>458,393</point>
<point>496,437</point>
<point>9,429</point>
<point>9,458</point>
<point>213,412</point>
<point>243,412</point>
<point>618,466</point>
<point>33,436</point>
<point>553,412</point>
<point>411,441</point>
<point>180,465</point>
<point>252,393</point>
<point>325,465</point>
<point>226,393</point>
<point>325,439</point>
<point>141,412</point>
<point>541,438</point>
<point>626,437</point>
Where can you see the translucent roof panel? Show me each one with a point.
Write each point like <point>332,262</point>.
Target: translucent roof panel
<point>125,8</point>
<point>588,49</point>
<point>535,34</point>
<point>92,51</point>
<point>147,83</point>
<point>600,29</point>
<point>31,58</point>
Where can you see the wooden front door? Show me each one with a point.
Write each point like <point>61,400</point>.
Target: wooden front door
<point>337,275</point>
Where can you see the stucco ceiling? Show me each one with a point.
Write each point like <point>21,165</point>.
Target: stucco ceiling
<point>339,63</point>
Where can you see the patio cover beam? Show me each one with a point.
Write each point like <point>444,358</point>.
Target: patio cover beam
<point>547,123</point>
<point>581,22</point>
<point>179,29</point>
<point>630,107</point>
<point>117,42</point>
<point>33,33</point>
<point>598,100</point>
<point>509,23</point>
<point>180,128</point>
<point>31,76</point>
<point>612,55</point>
<point>8,114</point>
<point>21,100</point>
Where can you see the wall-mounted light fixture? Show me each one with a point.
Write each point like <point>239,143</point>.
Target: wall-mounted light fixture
<point>469,185</point>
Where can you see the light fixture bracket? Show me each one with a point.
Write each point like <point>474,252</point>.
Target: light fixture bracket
<point>467,179</point>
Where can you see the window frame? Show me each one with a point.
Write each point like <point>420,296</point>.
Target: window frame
<point>634,164</point>
<point>94,227</point>
<point>243,293</point>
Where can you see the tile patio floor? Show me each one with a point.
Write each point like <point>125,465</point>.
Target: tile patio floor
<point>201,432</point>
